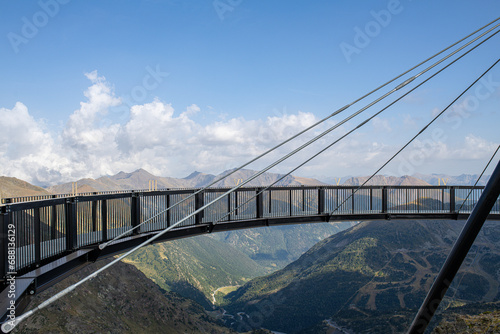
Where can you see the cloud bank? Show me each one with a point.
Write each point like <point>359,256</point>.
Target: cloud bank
<point>167,143</point>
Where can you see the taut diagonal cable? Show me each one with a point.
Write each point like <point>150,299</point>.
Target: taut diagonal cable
<point>353,130</point>
<point>418,134</point>
<point>103,245</point>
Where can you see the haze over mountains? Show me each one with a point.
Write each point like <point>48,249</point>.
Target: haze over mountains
<point>140,180</point>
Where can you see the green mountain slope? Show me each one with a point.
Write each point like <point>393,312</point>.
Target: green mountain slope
<point>481,318</point>
<point>275,247</point>
<point>195,267</point>
<point>372,277</point>
<point>119,300</point>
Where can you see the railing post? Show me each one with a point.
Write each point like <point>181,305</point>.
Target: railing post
<point>236,204</point>
<point>290,202</point>
<point>135,214</point>
<point>352,200</point>
<point>104,217</point>
<point>53,220</point>
<point>71,228</point>
<point>198,203</point>
<point>303,199</point>
<point>321,200</point>
<point>229,206</point>
<point>259,202</point>
<point>384,199</point>
<point>452,200</point>
<point>94,215</point>
<point>5,217</point>
<point>371,199</point>
<point>168,212</point>
<point>270,201</point>
<point>418,200</point>
<point>38,241</point>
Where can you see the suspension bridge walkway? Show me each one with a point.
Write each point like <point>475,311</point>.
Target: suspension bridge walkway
<point>49,238</point>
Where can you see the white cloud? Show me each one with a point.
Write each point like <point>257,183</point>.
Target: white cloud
<point>475,148</point>
<point>381,125</point>
<point>81,131</point>
<point>27,150</point>
<point>169,144</point>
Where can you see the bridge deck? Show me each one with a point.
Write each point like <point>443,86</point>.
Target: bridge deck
<point>50,238</point>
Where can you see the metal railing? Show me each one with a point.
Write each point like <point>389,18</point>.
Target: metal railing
<point>43,230</point>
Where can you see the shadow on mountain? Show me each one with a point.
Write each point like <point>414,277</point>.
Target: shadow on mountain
<point>187,290</point>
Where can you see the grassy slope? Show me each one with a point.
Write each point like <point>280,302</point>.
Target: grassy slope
<point>12,187</point>
<point>277,246</point>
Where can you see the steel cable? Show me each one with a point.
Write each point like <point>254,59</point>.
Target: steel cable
<point>353,130</point>
<point>103,245</point>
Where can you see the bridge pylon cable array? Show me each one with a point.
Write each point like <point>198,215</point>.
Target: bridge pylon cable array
<point>353,130</point>
<point>419,133</point>
<point>8,326</point>
<point>338,111</point>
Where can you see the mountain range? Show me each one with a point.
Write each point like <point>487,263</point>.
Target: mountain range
<point>140,179</point>
<point>381,180</point>
<point>144,180</point>
<point>444,179</point>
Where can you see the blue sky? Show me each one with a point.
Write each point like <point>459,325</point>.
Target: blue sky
<point>94,87</point>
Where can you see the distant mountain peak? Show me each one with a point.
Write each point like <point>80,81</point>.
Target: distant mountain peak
<point>139,172</point>
<point>193,175</point>
<point>382,180</point>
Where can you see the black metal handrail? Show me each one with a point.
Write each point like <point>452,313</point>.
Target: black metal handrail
<point>46,229</point>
